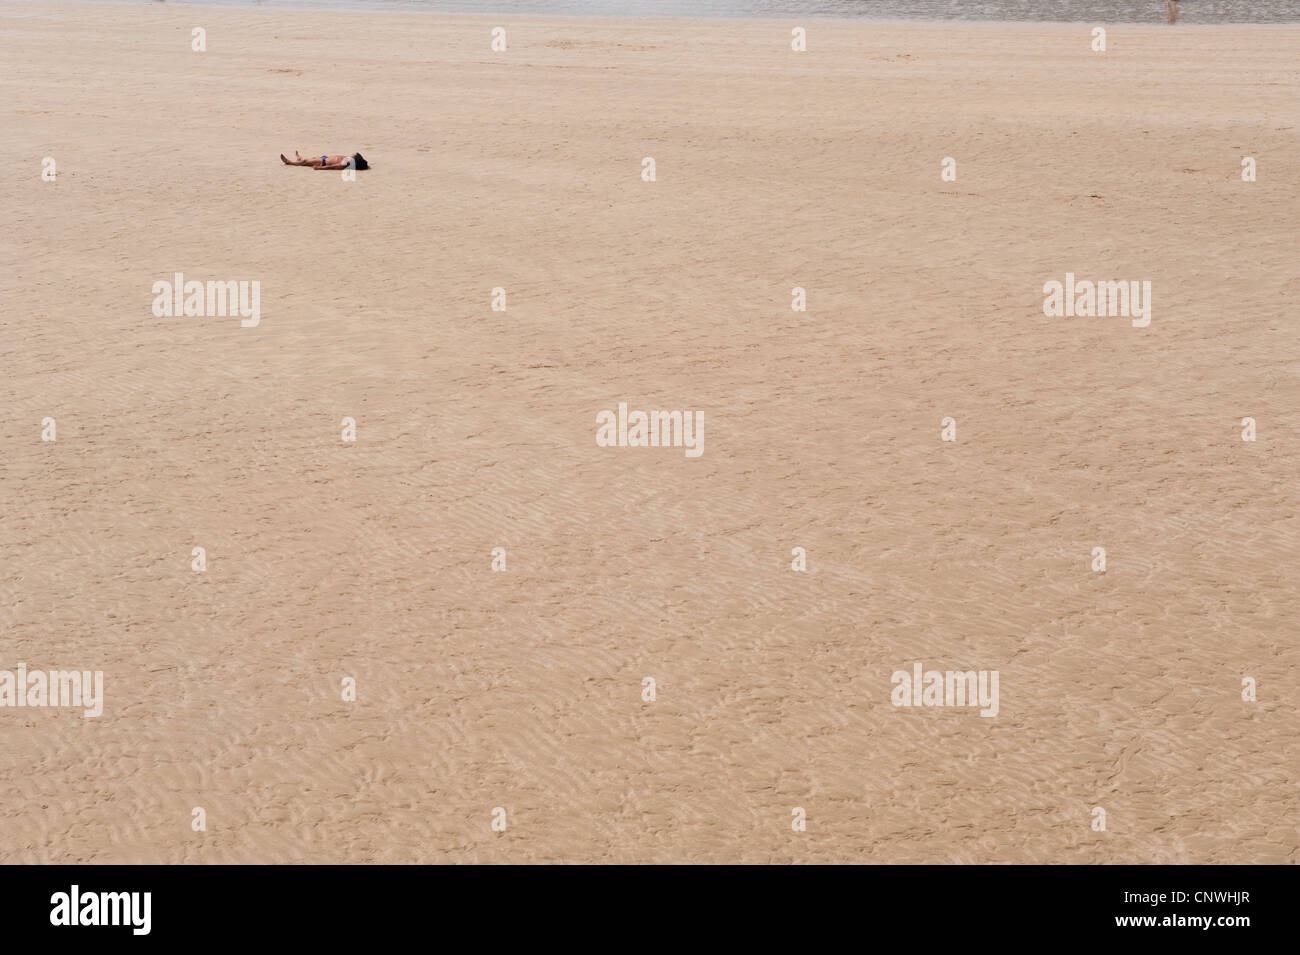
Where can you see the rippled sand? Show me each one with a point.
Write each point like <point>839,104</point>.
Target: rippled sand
<point>522,689</point>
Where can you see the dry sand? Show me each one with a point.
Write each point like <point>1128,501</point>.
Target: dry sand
<point>476,429</point>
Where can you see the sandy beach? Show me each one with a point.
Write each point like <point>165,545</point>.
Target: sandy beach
<point>522,689</point>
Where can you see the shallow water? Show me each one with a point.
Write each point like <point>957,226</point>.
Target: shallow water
<point>1101,11</point>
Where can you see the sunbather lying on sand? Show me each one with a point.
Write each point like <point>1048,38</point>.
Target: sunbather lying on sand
<point>355,161</point>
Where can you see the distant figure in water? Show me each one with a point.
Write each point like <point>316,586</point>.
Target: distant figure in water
<point>1171,10</point>
<point>355,161</point>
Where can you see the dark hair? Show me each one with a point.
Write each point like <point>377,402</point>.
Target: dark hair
<point>359,161</point>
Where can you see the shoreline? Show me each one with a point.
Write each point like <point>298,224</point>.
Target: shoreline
<point>613,18</point>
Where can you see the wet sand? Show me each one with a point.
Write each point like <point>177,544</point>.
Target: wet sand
<point>475,429</point>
